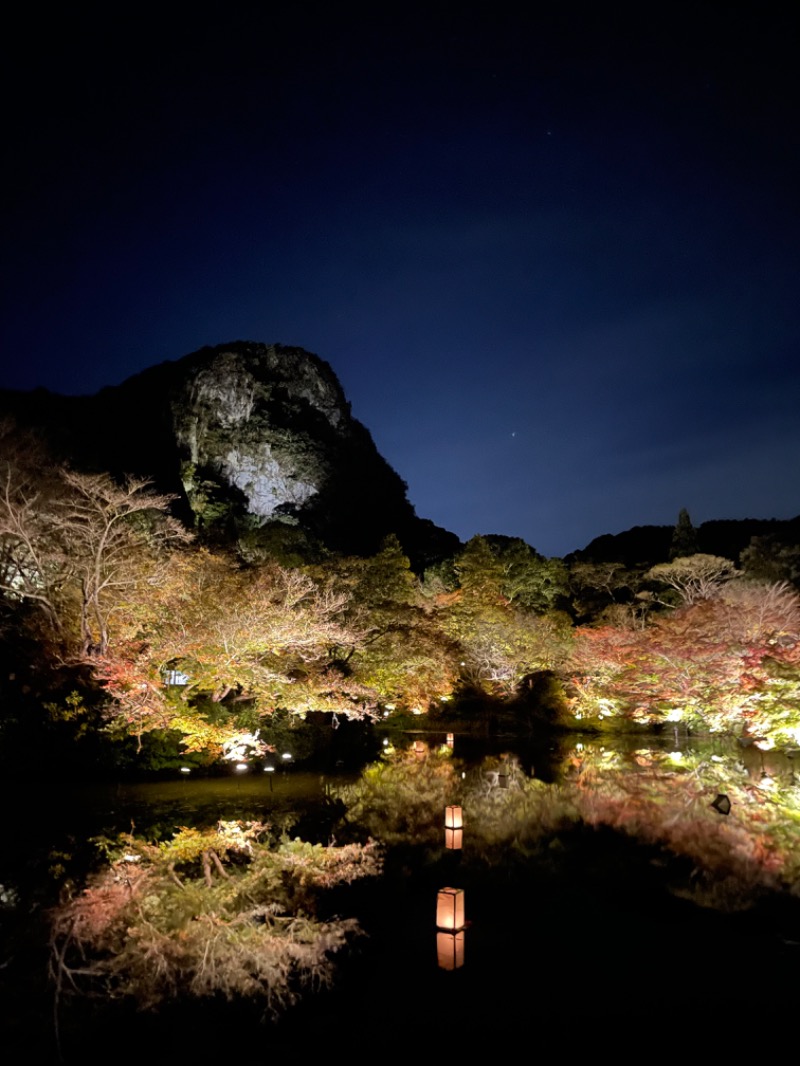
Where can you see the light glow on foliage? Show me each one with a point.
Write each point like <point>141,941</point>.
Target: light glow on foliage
<point>243,746</point>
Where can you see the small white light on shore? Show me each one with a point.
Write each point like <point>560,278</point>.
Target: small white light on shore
<point>269,769</point>
<point>286,755</point>
<point>385,742</point>
<point>241,767</point>
<point>185,770</point>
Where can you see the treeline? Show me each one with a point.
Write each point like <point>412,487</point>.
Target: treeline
<point>118,618</point>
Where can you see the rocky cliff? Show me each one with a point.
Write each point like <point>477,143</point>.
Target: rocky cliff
<point>247,435</point>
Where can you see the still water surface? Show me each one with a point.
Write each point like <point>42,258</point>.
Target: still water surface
<point>569,937</point>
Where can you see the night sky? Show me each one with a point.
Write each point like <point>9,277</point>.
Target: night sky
<point>552,258</point>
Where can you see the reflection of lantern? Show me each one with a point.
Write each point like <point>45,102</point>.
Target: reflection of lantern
<point>450,950</point>
<point>452,818</point>
<point>450,909</point>
<point>454,839</point>
<point>450,740</point>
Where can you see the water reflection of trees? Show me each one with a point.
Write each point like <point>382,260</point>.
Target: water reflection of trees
<point>650,796</point>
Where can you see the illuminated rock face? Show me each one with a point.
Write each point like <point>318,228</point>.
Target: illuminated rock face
<point>265,431</point>
<point>262,419</point>
<point>244,435</point>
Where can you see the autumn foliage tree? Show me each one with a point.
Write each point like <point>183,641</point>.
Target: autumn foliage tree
<point>499,643</point>
<point>242,642</point>
<point>726,664</point>
<point>74,544</point>
<point>401,653</point>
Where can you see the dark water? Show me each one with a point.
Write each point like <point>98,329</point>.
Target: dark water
<point>583,945</point>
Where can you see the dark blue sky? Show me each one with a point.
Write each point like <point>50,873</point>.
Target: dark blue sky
<point>552,258</point>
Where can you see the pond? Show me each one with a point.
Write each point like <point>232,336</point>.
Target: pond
<point>604,893</point>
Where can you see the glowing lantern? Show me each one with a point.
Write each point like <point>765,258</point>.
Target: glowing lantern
<point>419,748</point>
<point>453,818</point>
<point>450,950</point>
<point>450,741</point>
<point>450,909</point>
<point>453,839</point>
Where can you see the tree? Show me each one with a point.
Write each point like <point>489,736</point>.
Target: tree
<point>608,588</point>
<point>725,664</point>
<point>400,652</point>
<point>768,559</point>
<point>72,544</point>
<point>245,641</point>
<point>499,642</point>
<point>694,577</point>
<point>115,533</point>
<point>529,580</point>
<point>214,912</point>
<point>35,557</point>
<point>684,537</point>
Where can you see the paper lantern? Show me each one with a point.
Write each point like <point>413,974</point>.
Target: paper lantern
<point>450,909</point>
<point>454,839</point>
<point>453,817</point>
<point>450,741</point>
<point>450,950</point>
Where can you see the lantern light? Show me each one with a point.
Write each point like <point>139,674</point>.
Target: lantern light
<point>450,741</point>
<point>241,767</point>
<point>450,950</point>
<point>454,839</point>
<point>453,817</point>
<point>450,909</point>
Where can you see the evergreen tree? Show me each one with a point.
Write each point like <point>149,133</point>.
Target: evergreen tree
<point>684,537</point>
